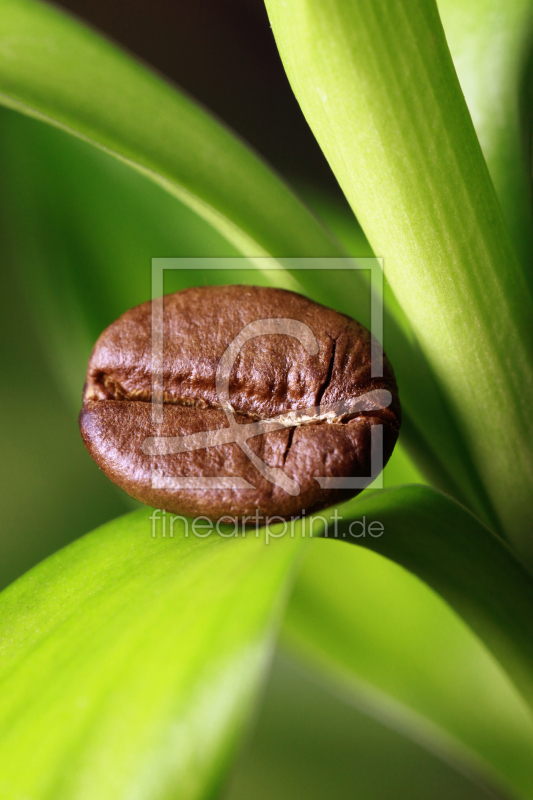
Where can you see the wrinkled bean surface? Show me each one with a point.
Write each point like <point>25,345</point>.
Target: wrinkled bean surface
<point>322,432</point>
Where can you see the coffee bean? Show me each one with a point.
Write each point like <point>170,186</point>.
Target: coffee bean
<point>267,404</point>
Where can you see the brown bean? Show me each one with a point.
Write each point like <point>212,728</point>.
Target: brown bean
<point>268,404</point>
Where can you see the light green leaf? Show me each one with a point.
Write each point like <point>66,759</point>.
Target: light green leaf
<point>378,87</point>
<point>491,42</point>
<point>388,636</point>
<point>340,219</point>
<point>128,662</point>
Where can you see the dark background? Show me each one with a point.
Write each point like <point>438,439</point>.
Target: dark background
<point>222,52</point>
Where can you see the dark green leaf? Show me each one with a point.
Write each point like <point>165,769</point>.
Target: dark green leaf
<point>383,632</point>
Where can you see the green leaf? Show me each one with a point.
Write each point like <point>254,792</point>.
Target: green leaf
<point>340,219</point>
<point>491,42</point>
<point>59,71</point>
<point>378,87</point>
<point>83,228</point>
<point>314,740</point>
<point>444,677</point>
<point>128,662</point>
<point>62,73</point>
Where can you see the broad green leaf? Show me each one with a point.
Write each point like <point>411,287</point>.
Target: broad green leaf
<point>378,87</point>
<point>445,676</point>
<point>491,42</point>
<point>128,661</point>
<point>85,227</point>
<point>59,71</point>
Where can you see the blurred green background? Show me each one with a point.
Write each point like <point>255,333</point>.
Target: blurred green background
<point>78,232</point>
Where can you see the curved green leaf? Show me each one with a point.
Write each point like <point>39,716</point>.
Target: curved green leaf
<point>52,68</point>
<point>128,662</point>
<point>61,72</point>
<point>85,226</point>
<point>491,42</point>
<point>378,87</point>
<point>446,546</point>
<point>393,644</point>
<point>387,634</point>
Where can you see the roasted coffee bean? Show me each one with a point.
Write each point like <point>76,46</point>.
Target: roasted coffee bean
<point>267,402</point>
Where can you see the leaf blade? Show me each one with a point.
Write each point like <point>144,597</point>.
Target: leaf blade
<point>64,74</point>
<point>446,676</point>
<point>445,545</point>
<point>116,104</point>
<point>491,45</point>
<point>127,667</point>
<point>406,155</point>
